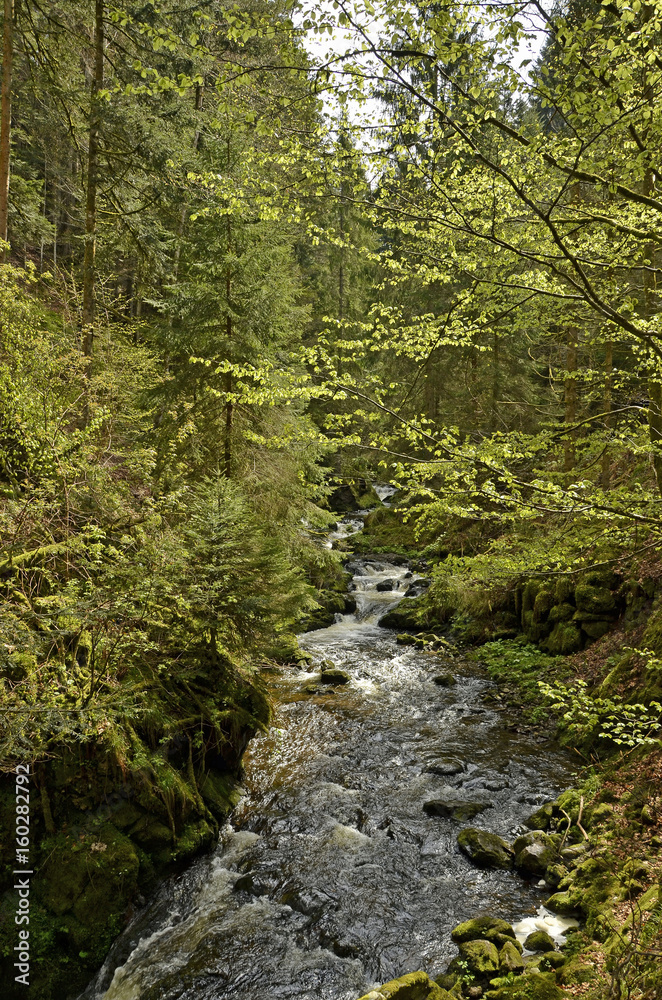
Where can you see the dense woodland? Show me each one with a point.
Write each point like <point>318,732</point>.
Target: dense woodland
<point>241,273</point>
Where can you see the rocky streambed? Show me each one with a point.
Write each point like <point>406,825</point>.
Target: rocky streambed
<point>340,868</point>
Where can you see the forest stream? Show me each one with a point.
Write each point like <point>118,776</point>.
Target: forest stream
<point>330,877</point>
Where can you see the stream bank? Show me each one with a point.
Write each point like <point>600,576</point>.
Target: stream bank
<point>335,871</point>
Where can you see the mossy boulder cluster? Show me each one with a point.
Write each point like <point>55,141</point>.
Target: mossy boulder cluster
<point>559,616</point>
<point>564,616</point>
<point>102,836</point>
<point>531,854</point>
<point>491,964</point>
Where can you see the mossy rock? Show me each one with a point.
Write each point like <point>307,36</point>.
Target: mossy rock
<point>564,590</point>
<point>451,982</point>
<point>533,837</point>
<point>534,859</point>
<point>413,986</point>
<point>542,605</point>
<point>89,884</point>
<point>481,956</point>
<point>548,961</point>
<point>534,853</point>
<point>599,815</point>
<point>564,903</point>
<point>481,927</point>
<point>555,875</point>
<point>539,941</point>
<point>575,972</point>
<point>595,630</point>
<point>529,593</point>
<point>335,676</point>
<point>445,680</point>
<point>196,837</point>
<point>453,808</point>
<point>569,802</point>
<point>485,849</point>
<point>409,615</point>
<point>220,792</point>
<point>510,959</point>
<point>500,939</point>
<point>564,639</point>
<point>541,819</point>
<point>595,600</point>
<point>561,613</point>
<point>532,986</point>
<point>331,603</point>
<point>527,620</point>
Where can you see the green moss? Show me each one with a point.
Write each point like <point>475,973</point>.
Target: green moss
<point>413,986</point>
<point>561,613</point>
<point>542,605</point>
<point>564,639</point>
<point>595,600</point>
<point>386,530</point>
<point>481,956</point>
<point>564,590</point>
<point>481,927</point>
<point>532,986</point>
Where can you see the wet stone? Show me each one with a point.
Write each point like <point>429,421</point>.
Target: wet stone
<point>458,809</point>
<point>485,849</point>
<point>445,680</point>
<point>447,768</point>
<point>334,676</point>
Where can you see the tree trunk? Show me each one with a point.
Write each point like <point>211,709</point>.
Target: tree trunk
<point>570,399</point>
<point>89,291</point>
<point>227,458</point>
<point>655,382</point>
<point>494,408</point>
<point>5,116</point>
<point>606,406</point>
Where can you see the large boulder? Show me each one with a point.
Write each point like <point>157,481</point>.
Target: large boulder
<point>534,853</point>
<point>563,903</point>
<point>446,768</point>
<point>454,808</point>
<point>564,639</point>
<point>413,986</point>
<point>534,859</point>
<point>335,676</point>
<point>539,941</point>
<point>481,956</point>
<point>485,849</point>
<point>595,600</point>
<point>541,818</point>
<point>510,959</point>
<point>482,927</point>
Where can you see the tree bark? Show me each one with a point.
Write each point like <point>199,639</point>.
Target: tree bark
<point>89,283</point>
<point>5,116</point>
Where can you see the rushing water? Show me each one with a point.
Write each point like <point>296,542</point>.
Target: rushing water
<point>330,877</point>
